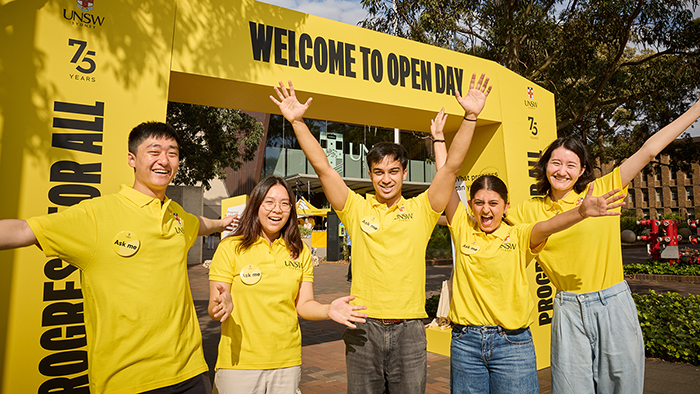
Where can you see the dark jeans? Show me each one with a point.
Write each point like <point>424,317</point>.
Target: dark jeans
<point>386,358</point>
<point>199,384</point>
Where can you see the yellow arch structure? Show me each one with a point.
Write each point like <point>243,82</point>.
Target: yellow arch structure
<point>77,75</point>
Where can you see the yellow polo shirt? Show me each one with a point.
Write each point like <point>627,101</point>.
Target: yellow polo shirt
<point>263,329</point>
<point>490,285</point>
<point>388,253</point>
<point>587,256</point>
<point>142,328</point>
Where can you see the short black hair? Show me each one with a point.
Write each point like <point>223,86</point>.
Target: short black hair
<point>151,129</point>
<point>573,144</point>
<point>384,149</point>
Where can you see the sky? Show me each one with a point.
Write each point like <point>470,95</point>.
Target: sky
<point>351,12</point>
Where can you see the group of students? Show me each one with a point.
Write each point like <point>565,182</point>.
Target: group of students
<point>261,277</point>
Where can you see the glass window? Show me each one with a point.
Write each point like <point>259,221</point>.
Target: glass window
<point>689,193</point>
<point>659,195</point>
<point>657,173</point>
<point>674,194</point>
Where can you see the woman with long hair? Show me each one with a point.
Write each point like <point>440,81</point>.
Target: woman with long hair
<point>491,307</point>
<point>261,278</point>
<point>597,344</point>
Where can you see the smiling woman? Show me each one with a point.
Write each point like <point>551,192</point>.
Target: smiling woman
<point>264,270</point>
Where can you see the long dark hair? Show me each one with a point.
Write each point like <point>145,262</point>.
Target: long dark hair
<point>249,227</point>
<point>573,144</point>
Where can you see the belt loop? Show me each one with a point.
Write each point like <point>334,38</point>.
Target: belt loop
<point>559,297</point>
<point>602,298</point>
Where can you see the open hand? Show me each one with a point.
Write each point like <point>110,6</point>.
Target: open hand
<point>291,108</point>
<point>342,312</point>
<point>601,206</point>
<point>437,125</point>
<point>475,99</point>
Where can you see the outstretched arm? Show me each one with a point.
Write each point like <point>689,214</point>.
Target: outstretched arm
<point>590,207</point>
<point>437,126</point>
<point>656,143</point>
<point>220,301</point>
<point>16,233</point>
<point>473,102</point>
<point>208,226</point>
<point>339,310</point>
<point>333,185</point>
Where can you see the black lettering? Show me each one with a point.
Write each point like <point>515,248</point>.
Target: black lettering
<point>405,66</point>
<point>393,69</point>
<point>545,305</point>
<point>415,74</point>
<point>280,46</point>
<point>365,62</point>
<point>62,313</point>
<point>304,43</point>
<point>64,363</point>
<point>450,86</point>
<point>349,60</point>
<point>544,292</point>
<point>541,279</point>
<point>533,191</point>
<point>261,41</point>
<point>377,66</point>
<point>55,270</point>
<point>97,110</point>
<point>545,319</point>
<point>320,54</point>
<point>292,52</point>
<point>77,385</point>
<point>335,56</point>
<point>537,267</point>
<point>69,293</point>
<point>70,171</point>
<point>53,339</point>
<point>459,74</point>
<point>439,78</point>
<point>426,76</point>
<point>67,195</point>
<point>96,20</point>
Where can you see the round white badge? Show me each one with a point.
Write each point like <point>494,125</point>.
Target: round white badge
<point>126,244</point>
<point>369,224</point>
<point>250,274</point>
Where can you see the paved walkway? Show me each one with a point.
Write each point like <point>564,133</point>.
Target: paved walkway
<point>323,368</point>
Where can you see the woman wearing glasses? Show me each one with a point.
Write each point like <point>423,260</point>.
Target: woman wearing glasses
<point>261,278</point>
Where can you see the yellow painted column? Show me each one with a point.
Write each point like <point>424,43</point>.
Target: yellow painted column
<point>75,78</point>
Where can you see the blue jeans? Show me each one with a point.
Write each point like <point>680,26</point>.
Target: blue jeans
<point>597,344</point>
<point>386,358</point>
<point>486,359</point>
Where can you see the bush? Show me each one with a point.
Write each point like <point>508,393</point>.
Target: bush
<point>662,268</point>
<point>440,244</point>
<point>431,305</point>
<point>305,232</point>
<point>671,326</point>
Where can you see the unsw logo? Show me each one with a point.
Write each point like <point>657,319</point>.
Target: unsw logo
<point>506,245</point>
<point>85,18</point>
<point>530,101</point>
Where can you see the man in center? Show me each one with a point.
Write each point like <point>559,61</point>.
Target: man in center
<point>390,235</point>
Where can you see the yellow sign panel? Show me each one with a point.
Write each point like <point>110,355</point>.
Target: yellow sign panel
<point>78,75</point>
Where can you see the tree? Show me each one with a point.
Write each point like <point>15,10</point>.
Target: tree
<point>212,140</point>
<point>619,69</point>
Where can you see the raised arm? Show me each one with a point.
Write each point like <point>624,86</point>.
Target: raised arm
<point>333,185</point>
<point>339,310</point>
<point>590,207</point>
<point>656,143</point>
<point>15,233</point>
<point>208,226</point>
<point>437,127</point>
<point>440,190</point>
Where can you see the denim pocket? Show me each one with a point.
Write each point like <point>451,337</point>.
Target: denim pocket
<point>457,335</point>
<point>523,338</point>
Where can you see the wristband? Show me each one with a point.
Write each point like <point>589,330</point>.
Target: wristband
<point>470,120</point>
<point>434,141</point>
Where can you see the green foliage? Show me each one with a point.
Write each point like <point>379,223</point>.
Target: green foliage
<point>431,305</point>
<point>212,139</point>
<point>662,268</point>
<point>305,232</point>
<point>671,326</point>
<point>609,63</point>
<point>440,244</point>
